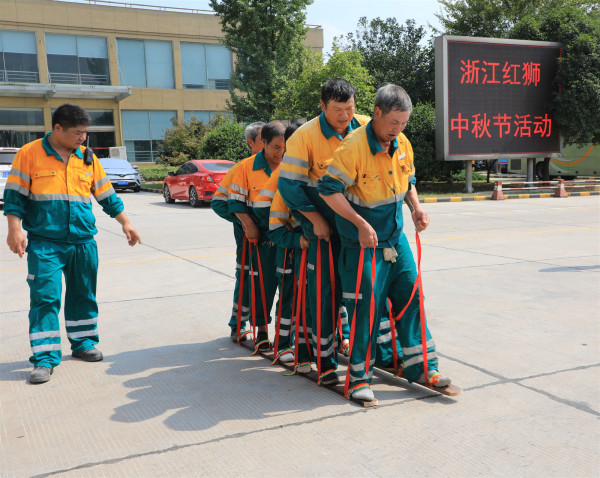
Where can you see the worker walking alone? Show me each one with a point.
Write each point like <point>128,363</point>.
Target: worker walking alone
<point>49,191</point>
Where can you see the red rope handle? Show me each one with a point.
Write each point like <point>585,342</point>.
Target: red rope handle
<point>241,291</point>
<point>252,290</point>
<point>361,262</point>
<point>371,312</point>
<point>334,314</point>
<point>278,324</point>
<point>422,310</point>
<point>393,332</point>
<point>318,340</point>
<point>300,290</point>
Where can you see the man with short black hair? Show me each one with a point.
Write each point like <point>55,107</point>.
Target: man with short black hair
<point>248,182</point>
<point>309,151</point>
<point>48,191</point>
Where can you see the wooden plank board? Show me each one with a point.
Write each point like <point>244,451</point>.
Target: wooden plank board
<point>450,391</point>
<point>312,376</point>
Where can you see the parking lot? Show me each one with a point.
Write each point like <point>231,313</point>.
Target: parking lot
<point>512,296</point>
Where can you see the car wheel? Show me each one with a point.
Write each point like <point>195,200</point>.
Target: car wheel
<point>194,201</point>
<point>137,190</point>
<point>167,195</point>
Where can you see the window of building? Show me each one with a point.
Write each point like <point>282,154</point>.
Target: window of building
<point>204,116</point>
<point>143,131</point>
<point>79,60</point>
<point>145,63</point>
<point>205,66</point>
<point>19,126</point>
<point>18,57</point>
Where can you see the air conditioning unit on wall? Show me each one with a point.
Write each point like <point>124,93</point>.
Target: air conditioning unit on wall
<point>118,152</point>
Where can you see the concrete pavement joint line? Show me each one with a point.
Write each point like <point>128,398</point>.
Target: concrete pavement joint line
<point>516,260</point>
<point>230,437</point>
<point>136,299</point>
<point>179,257</point>
<point>501,380</point>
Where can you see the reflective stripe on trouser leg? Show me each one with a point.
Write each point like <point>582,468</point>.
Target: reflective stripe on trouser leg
<point>45,262</point>
<point>344,319</point>
<point>303,355</point>
<point>238,234</point>
<point>401,280</point>
<point>328,353</point>
<point>349,259</point>
<point>81,308</point>
<point>268,257</point>
<point>385,351</point>
<point>285,283</point>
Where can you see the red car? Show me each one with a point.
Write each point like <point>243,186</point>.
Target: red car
<point>196,181</point>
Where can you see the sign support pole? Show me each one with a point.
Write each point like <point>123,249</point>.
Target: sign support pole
<point>530,169</point>
<point>469,176</point>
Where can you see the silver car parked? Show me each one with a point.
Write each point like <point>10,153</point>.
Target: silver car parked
<point>122,174</point>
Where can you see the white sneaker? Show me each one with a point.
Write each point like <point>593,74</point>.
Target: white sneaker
<point>287,357</point>
<point>364,394</point>
<point>436,379</point>
<point>304,368</point>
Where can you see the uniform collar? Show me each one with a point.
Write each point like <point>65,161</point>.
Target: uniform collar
<point>374,143</point>
<point>260,162</point>
<point>51,151</point>
<point>328,131</point>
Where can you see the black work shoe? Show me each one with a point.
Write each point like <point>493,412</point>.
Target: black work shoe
<point>263,337</point>
<point>90,355</point>
<point>233,335</point>
<point>40,374</point>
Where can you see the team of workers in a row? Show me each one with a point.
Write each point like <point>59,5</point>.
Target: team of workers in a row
<point>317,212</point>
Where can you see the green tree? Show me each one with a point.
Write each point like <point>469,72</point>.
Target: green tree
<point>496,18</point>
<point>420,131</point>
<point>577,103</point>
<point>574,23</point>
<point>182,142</point>
<point>266,37</point>
<point>226,141</point>
<point>395,53</point>
<point>300,97</point>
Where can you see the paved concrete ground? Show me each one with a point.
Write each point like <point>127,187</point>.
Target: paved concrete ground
<point>513,293</point>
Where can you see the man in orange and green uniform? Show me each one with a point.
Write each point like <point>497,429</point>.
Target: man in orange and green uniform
<point>249,180</point>
<point>309,151</point>
<point>219,205</point>
<point>371,175</point>
<point>49,192</point>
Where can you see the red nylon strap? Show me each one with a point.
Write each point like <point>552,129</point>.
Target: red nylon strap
<point>333,311</point>
<point>393,332</point>
<point>301,279</point>
<point>361,262</point>
<point>252,289</point>
<point>371,312</point>
<point>422,310</point>
<point>278,324</point>
<point>241,291</point>
<point>318,274</point>
<point>262,288</point>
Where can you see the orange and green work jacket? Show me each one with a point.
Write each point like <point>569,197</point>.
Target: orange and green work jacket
<point>374,183</point>
<point>248,181</point>
<point>53,197</point>
<point>219,200</point>
<point>308,153</point>
<point>273,215</point>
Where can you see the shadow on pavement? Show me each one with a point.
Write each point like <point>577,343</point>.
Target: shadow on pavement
<point>201,385</point>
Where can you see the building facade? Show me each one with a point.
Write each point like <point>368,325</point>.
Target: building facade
<point>134,68</point>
